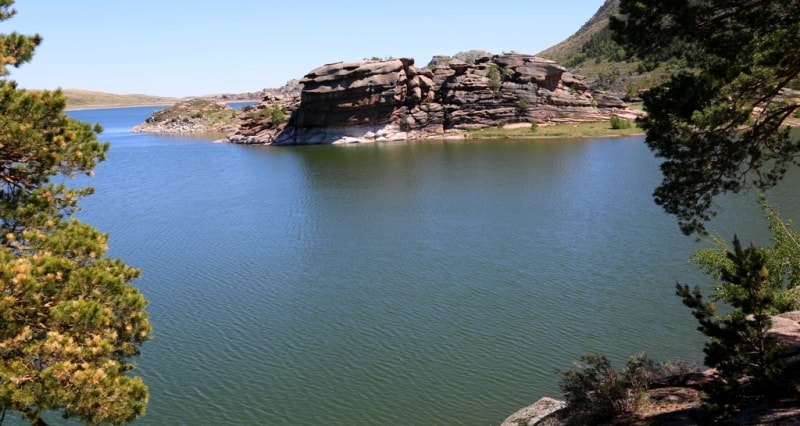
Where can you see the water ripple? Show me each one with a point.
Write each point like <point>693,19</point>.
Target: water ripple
<point>412,284</point>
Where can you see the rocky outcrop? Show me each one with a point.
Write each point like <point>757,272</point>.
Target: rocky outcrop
<point>533,414</point>
<point>212,114</point>
<point>359,101</point>
<point>263,122</point>
<point>676,400</point>
<point>191,116</point>
<point>394,100</point>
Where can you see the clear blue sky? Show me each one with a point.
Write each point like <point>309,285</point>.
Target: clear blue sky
<point>197,47</point>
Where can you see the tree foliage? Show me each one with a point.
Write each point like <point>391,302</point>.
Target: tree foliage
<point>782,259</point>
<point>600,46</point>
<point>746,357</point>
<point>69,319</point>
<point>718,122</point>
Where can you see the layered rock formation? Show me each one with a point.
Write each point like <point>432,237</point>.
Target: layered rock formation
<point>394,100</point>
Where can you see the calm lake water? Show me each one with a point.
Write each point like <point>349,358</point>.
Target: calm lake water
<point>435,283</point>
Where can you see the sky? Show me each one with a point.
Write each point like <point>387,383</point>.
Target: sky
<point>185,48</point>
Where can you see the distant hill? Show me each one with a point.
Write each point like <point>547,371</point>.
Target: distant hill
<point>593,53</point>
<point>595,28</point>
<point>82,99</point>
<point>79,99</point>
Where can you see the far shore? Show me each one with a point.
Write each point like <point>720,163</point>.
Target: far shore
<point>159,104</point>
<point>91,107</point>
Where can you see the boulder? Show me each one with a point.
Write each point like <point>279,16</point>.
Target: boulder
<point>533,414</point>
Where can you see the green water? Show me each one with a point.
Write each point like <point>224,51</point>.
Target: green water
<point>438,283</point>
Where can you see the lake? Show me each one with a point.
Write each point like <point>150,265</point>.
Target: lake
<point>406,283</point>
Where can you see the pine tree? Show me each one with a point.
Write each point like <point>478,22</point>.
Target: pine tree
<point>69,318</point>
<point>718,123</point>
<point>745,356</point>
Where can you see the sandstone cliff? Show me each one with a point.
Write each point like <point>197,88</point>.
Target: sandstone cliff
<point>394,100</point>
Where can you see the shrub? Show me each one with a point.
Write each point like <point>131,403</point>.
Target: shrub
<point>618,123</point>
<point>647,66</point>
<point>277,116</point>
<point>495,79</point>
<point>523,105</point>
<point>534,127</point>
<point>595,392</point>
<point>631,92</point>
<point>576,60</point>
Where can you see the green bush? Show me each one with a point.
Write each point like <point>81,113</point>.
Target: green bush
<point>595,392</point>
<point>576,60</point>
<point>523,105</point>
<point>647,65</point>
<point>495,79</point>
<point>534,127</point>
<point>277,116</point>
<point>618,123</point>
<point>631,92</point>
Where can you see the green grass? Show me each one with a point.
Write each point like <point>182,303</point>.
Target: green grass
<point>562,130</point>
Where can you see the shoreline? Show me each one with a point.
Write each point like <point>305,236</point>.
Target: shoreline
<point>117,106</point>
<point>95,107</point>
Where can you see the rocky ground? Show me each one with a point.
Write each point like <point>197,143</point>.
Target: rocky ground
<point>211,114</point>
<point>191,116</point>
<point>676,401</point>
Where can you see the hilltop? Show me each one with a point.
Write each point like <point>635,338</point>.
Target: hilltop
<point>594,30</point>
<point>592,53</point>
<point>86,99</point>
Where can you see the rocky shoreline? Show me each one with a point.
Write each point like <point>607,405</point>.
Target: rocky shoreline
<point>191,117</point>
<point>393,100</point>
<point>372,101</point>
<point>676,400</point>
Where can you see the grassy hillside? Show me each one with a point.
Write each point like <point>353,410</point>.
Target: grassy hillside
<point>592,52</point>
<point>563,52</point>
<point>78,99</point>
